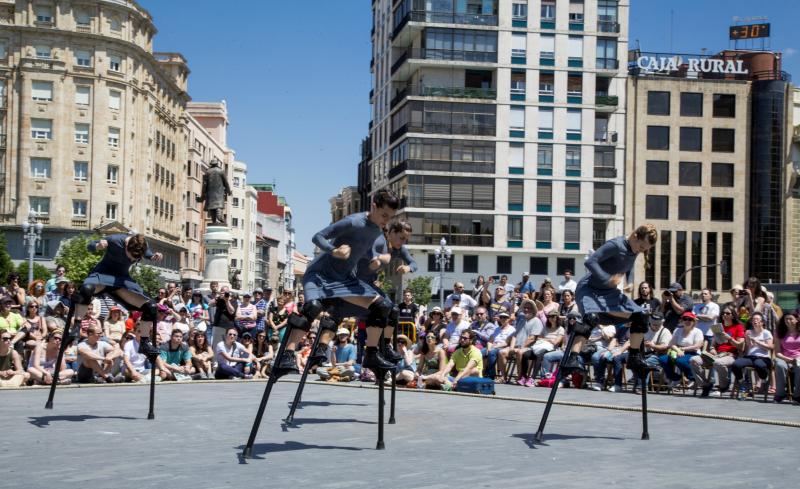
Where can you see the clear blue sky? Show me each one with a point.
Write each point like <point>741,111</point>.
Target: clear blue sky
<point>296,77</point>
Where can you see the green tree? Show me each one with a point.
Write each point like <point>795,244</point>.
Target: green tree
<point>39,272</point>
<point>78,260</point>
<point>6,265</point>
<point>148,277</point>
<point>386,284</point>
<point>420,287</point>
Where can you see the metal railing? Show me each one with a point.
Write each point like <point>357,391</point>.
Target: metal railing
<point>607,26</point>
<point>605,208</point>
<point>445,55</point>
<point>605,172</point>
<point>445,166</point>
<point>454,239</point>
<point>610,100</point>
<point>444,18</point>
<point>453,92</point>
<point>609,137</point>
<point>607,63</point>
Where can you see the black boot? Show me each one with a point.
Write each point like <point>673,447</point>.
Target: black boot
<point>147,349</point>
<point>389,353</point>
<point>637,364</point>
<point>319,356</point>
<point>571,363</point>
<point>287,364</point>
<point>374,360</point>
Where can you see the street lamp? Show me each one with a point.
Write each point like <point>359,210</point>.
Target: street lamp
<point>31,233</point>
<point>442,255</point>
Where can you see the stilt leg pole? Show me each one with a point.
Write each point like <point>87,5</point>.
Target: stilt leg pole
<point>66,336</point>
<point>298,395</point>
<point>554,389</point>
<point>394,382</point>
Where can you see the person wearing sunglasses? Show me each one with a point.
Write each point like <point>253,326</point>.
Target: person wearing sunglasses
<point>432,365</point>
<point>231,357</point>
<point>43,361</point>
<point>11,372</point>
<point>726,341</point>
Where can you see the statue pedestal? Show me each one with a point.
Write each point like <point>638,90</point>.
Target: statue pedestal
<point>217,240</point>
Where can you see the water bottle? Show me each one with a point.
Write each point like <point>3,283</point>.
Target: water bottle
<point>420,383</point>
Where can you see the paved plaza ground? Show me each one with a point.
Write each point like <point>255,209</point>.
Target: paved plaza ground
<point>99,437</point>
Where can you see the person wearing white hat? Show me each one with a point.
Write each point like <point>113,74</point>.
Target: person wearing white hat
<point>343,359</point>
<point>454,329</point>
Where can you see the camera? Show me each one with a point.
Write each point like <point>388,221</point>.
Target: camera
<point>227,294</point>
<point>668,293</point>
<point>742,292</point>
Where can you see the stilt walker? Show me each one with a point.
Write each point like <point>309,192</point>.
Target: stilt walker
<point>332,275</point>
<point>602,301</point>
<point>112,276</point>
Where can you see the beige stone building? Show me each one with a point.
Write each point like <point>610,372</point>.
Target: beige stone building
<point>696,167</point>
<point>93,125</point>
<point>346,202</point>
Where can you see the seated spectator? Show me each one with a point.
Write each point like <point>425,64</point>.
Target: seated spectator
<point>133,321</point>
<point>500,303</point>
<point>757,348</point>
<point>550,339</point>
<point>466,360</point>
<point>231,356</point>
<point>721,354</point>
<point>432,365</point>
<point>614,356</point>
<point>183,322</point>
<point>249,345</point>
<point>483,327</point>
<point>787,356</point>
<point>37,294</point>
<point>114,326</point>
<point>88,321</point>
<point>263,351</point>
<point>568,304</point>
<point>13,323</point>
<point>655,342</point>
<point>465,301</point>
<point>707,313</point>
<point>406,366</point>
<point>202,355</point>
<point>43,361</point>
<point>602,338</point>
<point>96,358</point>
<point>136,367</point>
<point>175,361</point>
<point>435,322</point>
<point>34,327</point>
<point>549,303</point>
<point>304,349</point>
<point>11,372</point>
<point>164,321</point>
<point>450,334</point>
<point>15,292</point>
<point>686,342</point>
<point>555,356</point>
<point>343,359</point>
<point>499,341</point>
<point>529,327</point>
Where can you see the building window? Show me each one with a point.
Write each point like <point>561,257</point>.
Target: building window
<point>604,164</point>
<point>515,228</point>
<point>235,222</point>
<point>114,63</point>
<point>82,133</point>
<point>657,172</point>
<point>575,48</point>
<point>697,253</point>
<point>572,233</point>
<point>3,49</point>
<point>599,231</point>
<point>548,10</point>
<point>604,198</point>
<point>114,99</point>
<point>41,128</point>
<point>83,18</point>
<point>691,104</point>
<point>519,44</point>
<point>519,11</point>
<point>546,83</point>
<point>39,205</point>
<point>574,86</point>
<point>690,174</point>
<point>544,231</point>
<point>44,14</point>
<point>721,209</point>
<point>503,264</point>
<point>563,264</point>
<point>518,84</point>
<point>80,171</point>
<point>516,194</point>
<point>606,54</point>
<point>40,167</point>
<point>546,119</point>
<point>115,24</point>
<point>657,103</point>
<point>691,139</point>
<point>656,207</point>
<point>573,162</point>
<point>572,197</point>
<point>236,202</point>
<point>680,253</point>
<point>79,208</point>
<point>573,122</point>
<point>724,105</point>
<point>658,137</point>
<point>723,140</point>
<point>433,265</point>
<point>111,211</point>
<point>666,259</point>
<point>42,248</point>
<point>547,46</point>
<point>83,58</point>
<point>711,257</point>
<point>113,137</point>
<point>544,196</point>
<point>544,158</point>
<point>517,118</point>
<point>112,174</point>
<point>43,51</point>
<point>470,263</point>
<point>689,208</point>
<point>82,94</point>
<point>538,265</point>
<point>516,155</point>
<point>721,175</point>
<point>42,91</point>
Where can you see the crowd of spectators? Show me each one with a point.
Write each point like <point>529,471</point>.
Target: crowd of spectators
<point>513,333</point>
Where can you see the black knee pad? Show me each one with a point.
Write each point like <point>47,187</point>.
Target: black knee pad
<point>639,322</point>
<point>394,316</point>
<point>327,324</point>
<point>379,312</point>
<point>299,322</point>
<point>311,309</point>
<point>584,328</point>
<point>85,294</point>
<point>149,310</point>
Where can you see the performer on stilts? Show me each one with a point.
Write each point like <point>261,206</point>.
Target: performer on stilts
<point>601,301</point>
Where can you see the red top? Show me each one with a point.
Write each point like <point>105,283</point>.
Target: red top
<point>736,331</point>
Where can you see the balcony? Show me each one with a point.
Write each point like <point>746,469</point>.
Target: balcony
<point>444,166</point>
<point>607,64</point>
<point>43,64</point>
<point>442,18</point>
<point>483,240</point>
<point>449,92</point>
<point>607,100</point>
<point>607,26</point>
<point>605,172</point>
<point>2,141</point>
<point>459,55</point>
<point>609,138</point>
<point>600,208</point>
<point>438,128</point>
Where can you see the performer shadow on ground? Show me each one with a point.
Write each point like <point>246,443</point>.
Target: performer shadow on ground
<point>530,438</point>
<point>42,421</point>
<point>303,404</point>
<point>288,446</point>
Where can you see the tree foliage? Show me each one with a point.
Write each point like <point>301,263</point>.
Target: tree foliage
<point>420,287</point>
<point>6,265</point>
<point>78,260</point>
<point>148,277</point>
<point>386,284</point>
<point>39,272</point>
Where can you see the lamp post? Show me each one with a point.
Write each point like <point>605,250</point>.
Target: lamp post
<point>442,255</point>
<point>31,233</point>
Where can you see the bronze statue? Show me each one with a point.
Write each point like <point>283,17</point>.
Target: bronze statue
<point>215,191</point>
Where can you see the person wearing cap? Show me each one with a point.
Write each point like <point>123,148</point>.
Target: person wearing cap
<point>686,343</point>
<point>601,299</point>
<point>724,350</point>
<point>61,272</point>
<point>526,285</point>
<point>451,333</point>
<point>499,341</point>
<point>343,358</point>
<point>435,323</point>
<point>674,302</point>
<point>59,289</point>
<point>465,301</point>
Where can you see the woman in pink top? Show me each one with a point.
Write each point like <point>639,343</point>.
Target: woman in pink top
<point>787,355</point>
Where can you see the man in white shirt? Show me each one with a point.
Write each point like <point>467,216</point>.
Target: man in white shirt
<point>466,301</point>
<point>707,313</point>
<point>454,328</point>
<point>568,283</point>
